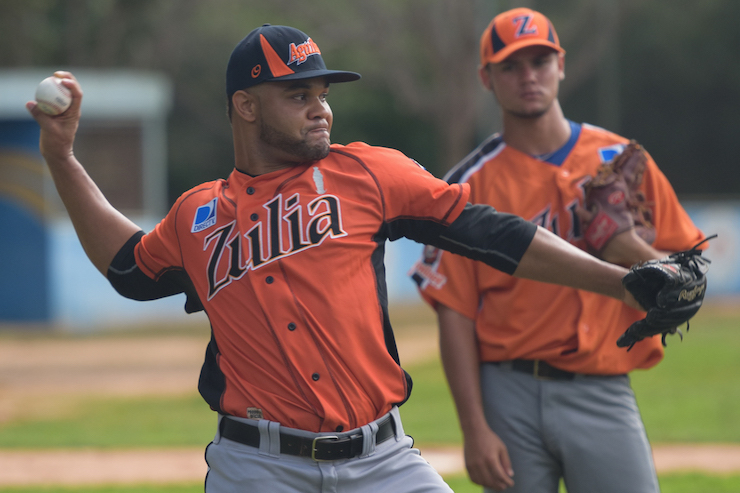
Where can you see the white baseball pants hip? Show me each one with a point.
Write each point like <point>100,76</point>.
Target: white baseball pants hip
<point>391,466</point>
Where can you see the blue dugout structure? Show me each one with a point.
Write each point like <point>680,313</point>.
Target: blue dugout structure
<point>34,280</point>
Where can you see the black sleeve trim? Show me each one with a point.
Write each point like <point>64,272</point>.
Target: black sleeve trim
<point>479,232</point>
<point>130,282</point>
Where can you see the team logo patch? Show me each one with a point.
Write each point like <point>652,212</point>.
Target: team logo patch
<point>607,154</point>
<point>254,413</point>
<point>205,216</point>
<point>424,272</point>
<point>300,53</point>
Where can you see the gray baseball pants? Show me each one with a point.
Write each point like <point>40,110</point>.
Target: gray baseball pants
<point>587,430</point>
<point>391,466</point>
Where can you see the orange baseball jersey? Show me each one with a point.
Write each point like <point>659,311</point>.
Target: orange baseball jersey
<point>289,268</point>
<point>523,319</point>
<point>279,258</point>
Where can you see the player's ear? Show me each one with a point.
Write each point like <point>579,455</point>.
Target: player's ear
<point>245,105</point>
<point>561,65</point>
<point>485,77</point>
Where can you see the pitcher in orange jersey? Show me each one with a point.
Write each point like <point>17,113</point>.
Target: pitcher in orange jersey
<point>541,388</point>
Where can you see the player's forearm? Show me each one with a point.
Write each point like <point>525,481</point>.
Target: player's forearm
<point>551,259</point>
<point>102,230</point>
<point>627,249</point>
<point>459,351</point>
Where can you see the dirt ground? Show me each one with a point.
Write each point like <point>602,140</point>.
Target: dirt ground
<point>36,371</point>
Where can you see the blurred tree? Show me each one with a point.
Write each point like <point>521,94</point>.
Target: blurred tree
<point>683,80</point>
<point>664,72</point>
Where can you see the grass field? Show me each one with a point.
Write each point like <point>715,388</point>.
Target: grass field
<point>692,396</point>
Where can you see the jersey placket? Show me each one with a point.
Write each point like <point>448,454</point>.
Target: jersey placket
<point>270,282</point>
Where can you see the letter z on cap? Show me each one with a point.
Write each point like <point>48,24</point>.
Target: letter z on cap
<point>271,53</point>
<point>513,30</point>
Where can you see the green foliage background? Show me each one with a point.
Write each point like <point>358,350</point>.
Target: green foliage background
<point>662,71</point>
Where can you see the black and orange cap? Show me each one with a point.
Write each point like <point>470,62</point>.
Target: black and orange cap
<point>271,53</point>
<point>513,30</point>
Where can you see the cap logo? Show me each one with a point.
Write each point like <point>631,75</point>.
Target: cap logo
<point>256,71</point>
<point>276,64</point>
<point>300,53</point>
<point>524,25</point>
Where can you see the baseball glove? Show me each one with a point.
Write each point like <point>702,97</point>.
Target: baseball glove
<point>613,202</point>
<point>670,289</point>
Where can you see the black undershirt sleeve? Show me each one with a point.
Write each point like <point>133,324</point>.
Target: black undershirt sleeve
<point>479,232</point>
<point>126,278</point>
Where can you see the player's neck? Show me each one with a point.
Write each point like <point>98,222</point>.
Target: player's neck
<point>252,158</point>
<point>537,135</point>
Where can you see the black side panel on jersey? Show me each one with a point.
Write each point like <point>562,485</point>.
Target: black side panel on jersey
<point>212,381</point>
<point>126,278</point>
<point>479,232</point>
<point>377,260</point>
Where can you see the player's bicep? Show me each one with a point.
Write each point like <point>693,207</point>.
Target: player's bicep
<point>129,281</point>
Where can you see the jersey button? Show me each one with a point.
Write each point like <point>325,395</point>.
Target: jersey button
<point>250,190</point>
<point>315,376</point>
<point>339,429</point>
<point>269,280</point>
<point>291,326</point>
<point>254,217</point>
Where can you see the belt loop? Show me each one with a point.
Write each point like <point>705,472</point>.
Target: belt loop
<point>269,437</point>
<point>396,417</point>
<point>217,438</point>
<point>274,429</point>
<point>368,438</point>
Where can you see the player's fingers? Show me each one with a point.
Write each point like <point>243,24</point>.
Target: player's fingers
<point>492,472</point>
<point>503,475</point>
<point>36,113</point>
<point>505,462</point>
<point>69,81</point>
<point>33,108</point>
<point>584,214</point>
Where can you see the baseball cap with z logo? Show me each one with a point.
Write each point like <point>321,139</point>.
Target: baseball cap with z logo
<point>272,53</point>
<point>513,30</point>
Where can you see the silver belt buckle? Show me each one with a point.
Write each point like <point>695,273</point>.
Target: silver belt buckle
<point>313,446</point>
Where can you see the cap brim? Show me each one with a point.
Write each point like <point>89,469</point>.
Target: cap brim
<point>333,76</point>
<point>505,52</point>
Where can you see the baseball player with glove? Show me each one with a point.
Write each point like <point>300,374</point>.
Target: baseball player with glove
<point>286,258</point>
<point>539,372</point>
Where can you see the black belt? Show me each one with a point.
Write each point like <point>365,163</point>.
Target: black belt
<point>320,448</point>
<point>538,369</point>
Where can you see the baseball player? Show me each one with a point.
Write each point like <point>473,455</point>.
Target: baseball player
<point>286,258</point>
<point>540,386</point>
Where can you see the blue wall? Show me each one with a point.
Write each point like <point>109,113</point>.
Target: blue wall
<point>24,283</point>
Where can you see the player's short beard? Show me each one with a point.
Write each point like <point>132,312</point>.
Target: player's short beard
<point>295,147</point>
<point>531,114</point>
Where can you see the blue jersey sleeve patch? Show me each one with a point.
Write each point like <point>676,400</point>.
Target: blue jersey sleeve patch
<point>205,216</point>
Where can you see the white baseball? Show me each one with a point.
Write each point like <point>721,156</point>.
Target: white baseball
<point>52,97</point>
